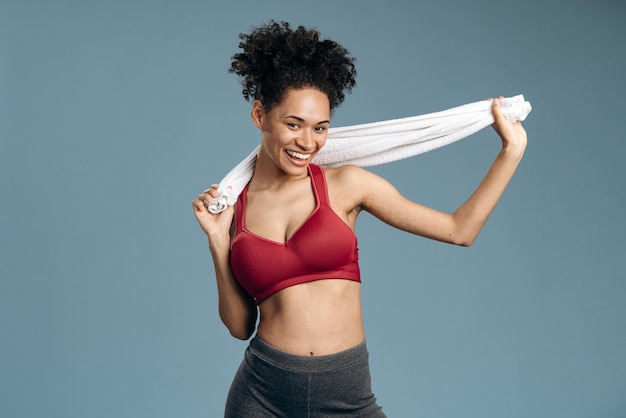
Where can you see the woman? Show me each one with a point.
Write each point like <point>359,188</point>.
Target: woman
<point>288,246</point>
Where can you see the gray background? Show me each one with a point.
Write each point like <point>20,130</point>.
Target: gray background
<point>115,114</point>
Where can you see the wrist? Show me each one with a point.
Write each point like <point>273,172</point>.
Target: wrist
<point>513,150</point>
<point>219,242</point>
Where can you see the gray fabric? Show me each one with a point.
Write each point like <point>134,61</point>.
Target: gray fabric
<point>272,383</point>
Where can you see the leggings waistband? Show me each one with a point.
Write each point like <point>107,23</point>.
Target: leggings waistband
<point>308,364</point>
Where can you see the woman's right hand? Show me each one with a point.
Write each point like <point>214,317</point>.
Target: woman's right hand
<point>214,225</point>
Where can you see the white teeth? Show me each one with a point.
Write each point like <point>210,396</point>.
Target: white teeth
<point>298,155</point>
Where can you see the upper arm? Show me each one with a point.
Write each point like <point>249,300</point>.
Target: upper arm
<point>374,194</point>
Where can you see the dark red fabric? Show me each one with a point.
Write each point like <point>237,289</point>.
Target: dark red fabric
<point>324,247</point>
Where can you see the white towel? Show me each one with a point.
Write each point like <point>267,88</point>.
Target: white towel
<point>382,142</point>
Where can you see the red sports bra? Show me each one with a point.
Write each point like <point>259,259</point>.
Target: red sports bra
<point>324,247</point>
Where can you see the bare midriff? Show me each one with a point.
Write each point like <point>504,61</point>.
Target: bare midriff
<point>313,319</point>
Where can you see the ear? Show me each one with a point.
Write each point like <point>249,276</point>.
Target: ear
<point>257,113</point>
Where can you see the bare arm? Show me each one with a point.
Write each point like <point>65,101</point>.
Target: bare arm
<point>462,227</point>
<point>472,215</point>
<point>236,308</point>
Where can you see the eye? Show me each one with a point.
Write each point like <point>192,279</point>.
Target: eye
<point>320,128</point>
<point>292,125</point>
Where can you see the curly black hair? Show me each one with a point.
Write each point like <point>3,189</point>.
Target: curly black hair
<point>276,58</point>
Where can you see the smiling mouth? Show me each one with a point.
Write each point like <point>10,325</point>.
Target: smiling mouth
<point>297,155</point>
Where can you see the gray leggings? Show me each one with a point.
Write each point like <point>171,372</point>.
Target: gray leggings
<point>272,383</point>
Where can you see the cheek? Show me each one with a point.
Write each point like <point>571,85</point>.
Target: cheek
<point>321,139</point>
<point>276,138</point>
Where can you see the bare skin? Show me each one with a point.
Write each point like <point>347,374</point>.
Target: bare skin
<point>324,317</point>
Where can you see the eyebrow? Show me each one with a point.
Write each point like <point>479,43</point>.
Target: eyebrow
<point>299,119</point>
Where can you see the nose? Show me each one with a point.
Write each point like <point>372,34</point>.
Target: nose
<point>306,140</point>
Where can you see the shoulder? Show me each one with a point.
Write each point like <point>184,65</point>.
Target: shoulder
<point>347,176</point>
<point>357,186</point>
<point>353,177</point>
<point>345,190</point>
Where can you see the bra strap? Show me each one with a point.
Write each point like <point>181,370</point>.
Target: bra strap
<point>240,210</point>
<point>319,183</point>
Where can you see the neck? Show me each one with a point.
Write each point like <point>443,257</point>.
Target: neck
<point>267,175</point>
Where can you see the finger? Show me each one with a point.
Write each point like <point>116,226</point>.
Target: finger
<point>495,104</point>
<point>212,190</point>
<point>496,110</point>
<point>208,201</point>
<point>198,206</point>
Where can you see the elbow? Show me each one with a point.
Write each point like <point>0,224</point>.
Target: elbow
<point>240,327</point>
<point>240,331</point>
<point>465,243</point>
<point>240,334</point>
<point>462,240</point>
<point>463,235</point>
<point>461,243</point>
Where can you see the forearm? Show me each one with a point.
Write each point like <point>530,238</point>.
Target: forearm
<point>470,217</point>
<point>236,308</point>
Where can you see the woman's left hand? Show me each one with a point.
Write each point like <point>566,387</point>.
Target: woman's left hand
<point>513,135</point>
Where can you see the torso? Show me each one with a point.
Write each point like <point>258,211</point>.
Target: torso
<point>314,318</point>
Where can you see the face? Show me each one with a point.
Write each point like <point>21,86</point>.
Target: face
<point>293,131</point>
